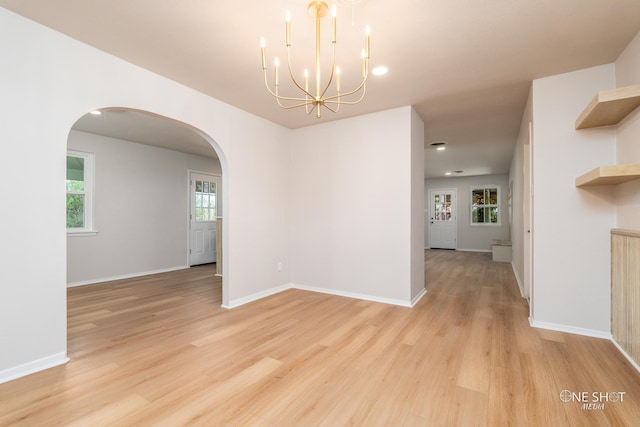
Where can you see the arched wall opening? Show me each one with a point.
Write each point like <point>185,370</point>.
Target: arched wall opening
<point>138,170</point>
<point>53,81</point>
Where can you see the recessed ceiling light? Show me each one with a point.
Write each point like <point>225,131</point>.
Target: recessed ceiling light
<point>438,143</point>
<point>96,112</point>
<point>380,70</point>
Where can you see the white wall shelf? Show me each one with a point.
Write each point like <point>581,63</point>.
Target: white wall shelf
<point>609,107</point>
<point>609,175</point>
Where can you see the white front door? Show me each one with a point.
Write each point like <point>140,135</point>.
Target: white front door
<point>204,191</point>
<point>442,219</point>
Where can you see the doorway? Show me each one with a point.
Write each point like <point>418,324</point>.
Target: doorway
<point>204,196</point>
<point>443,223</point>
<point>528,219</point>
<point>142,168</point>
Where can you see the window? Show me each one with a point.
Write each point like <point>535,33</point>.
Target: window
<point>205,202</point>
<point>485,205</point>
<point>79,192</point>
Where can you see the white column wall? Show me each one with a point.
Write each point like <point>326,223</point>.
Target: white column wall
<point>351,222</point>
<point>571,225</point>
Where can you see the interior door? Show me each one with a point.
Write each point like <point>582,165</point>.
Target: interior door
<point>442,219</point>
<point>528,219</point>
<point>204,192</point>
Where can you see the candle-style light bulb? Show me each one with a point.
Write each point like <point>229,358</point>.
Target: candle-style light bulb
<point>367,41</point>
<point>264,61</point>
<point>287,20</point>
<point>276,64</point>
<point>334,12</point>
<point>363,55</point>
<point>306,80</point>
<point>338,79</point>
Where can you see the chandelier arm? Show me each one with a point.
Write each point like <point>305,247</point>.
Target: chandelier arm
<point>295,82</point>
<point>330,100</point>
<point>314,106</point>
<point>301,101</point>
<point>302,104</point>
<point>333,69</point>
<point>285,98</point>
<point>362,84</point>
<point>331,109</point>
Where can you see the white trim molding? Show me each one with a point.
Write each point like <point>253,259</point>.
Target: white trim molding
<point>272,291</point>
<point>418,297</point>
<point>258,295</point>
<point>570,329</point>
<point>391,301</point>
<point>126,276</point>
<point>33,367</point>
<point>518,281</point>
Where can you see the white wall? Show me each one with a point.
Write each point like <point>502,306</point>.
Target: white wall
<point>417,206</point>
<point>471,237</point>
<point>628,139</point>
<point>352,189</point>
<point>141,209</point>
<point>571,225</point>
<point>47,82</point>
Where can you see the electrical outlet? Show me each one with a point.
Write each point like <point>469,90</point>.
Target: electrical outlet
<point>279,265</point>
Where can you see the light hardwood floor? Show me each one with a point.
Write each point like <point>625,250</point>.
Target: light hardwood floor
<point>160,350</point>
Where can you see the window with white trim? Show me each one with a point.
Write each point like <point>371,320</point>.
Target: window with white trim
<point>80,192</point>
<point>485,205</point>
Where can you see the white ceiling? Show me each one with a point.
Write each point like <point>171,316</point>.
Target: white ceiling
<point>145,128</point>
<point>465,65</point>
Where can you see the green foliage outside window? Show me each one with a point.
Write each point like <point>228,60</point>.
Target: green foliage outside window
<point>485,205</point>
<point>76,196</point>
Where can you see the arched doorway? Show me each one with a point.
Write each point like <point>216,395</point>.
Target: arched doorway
<point>135,204</point>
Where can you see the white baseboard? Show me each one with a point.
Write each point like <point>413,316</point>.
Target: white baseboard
<point>625,354</point>
<point>33,367</point>
<point>570,329</point>
<point>418,297</point>
<point>520,285</point>
<point>475,250</point>
<point>125,276</point>
<point>259,295</point>
<point>272,291</point>
<point>391,301</point>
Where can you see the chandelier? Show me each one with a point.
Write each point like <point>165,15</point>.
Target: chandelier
<point>321,96</point>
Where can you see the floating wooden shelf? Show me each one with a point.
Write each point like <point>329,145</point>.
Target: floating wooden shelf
<point>609,107</point>
<point>609,175</point>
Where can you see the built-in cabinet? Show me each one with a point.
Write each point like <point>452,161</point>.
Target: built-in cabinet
<point>608,108</point>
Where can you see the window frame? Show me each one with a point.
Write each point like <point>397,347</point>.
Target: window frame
<point>497,205</point>
<point>89,190</point>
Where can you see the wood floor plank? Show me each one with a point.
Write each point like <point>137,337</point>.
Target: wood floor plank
<point>160,350</point>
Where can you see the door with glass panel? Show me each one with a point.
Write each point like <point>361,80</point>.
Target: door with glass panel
<point>204,191</point>
<point>442,219</point>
